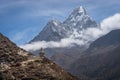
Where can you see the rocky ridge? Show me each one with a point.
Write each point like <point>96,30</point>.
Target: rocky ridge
<point>18,64</point>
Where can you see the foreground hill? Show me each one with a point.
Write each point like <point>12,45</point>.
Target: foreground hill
<point>18,64</point>
<point>101,60</point>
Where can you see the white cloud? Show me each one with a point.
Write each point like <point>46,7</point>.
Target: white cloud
<point>90,34</point>
<point>107,25</point>
<point>111,23</point>
<point>67,42</point>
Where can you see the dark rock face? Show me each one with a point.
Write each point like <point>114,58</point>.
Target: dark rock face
<point>9,51</point>
<point>66,56</point>
<point>18,64</point>
<point>111,38</point>
<point>101,60</point>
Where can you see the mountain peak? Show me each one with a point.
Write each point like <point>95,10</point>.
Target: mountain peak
<point>54,22</point>
<point>80,9</point>
<point>55,30</point>
<point>79,19</point>
<point>78,14</point>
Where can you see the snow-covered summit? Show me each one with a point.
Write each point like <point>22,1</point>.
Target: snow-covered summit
<point>80,10</point>
<point>77,15</point>
<point>79,18</point>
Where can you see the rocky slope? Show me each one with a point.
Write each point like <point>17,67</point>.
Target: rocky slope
<point>18,64</point>
<point>101,60</point>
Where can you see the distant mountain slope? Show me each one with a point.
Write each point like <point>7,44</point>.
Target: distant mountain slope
<point>53,31</point>
<point>112,38</point>
<point>18,64</point>
<point>101,60</point>
<point>66,56</point>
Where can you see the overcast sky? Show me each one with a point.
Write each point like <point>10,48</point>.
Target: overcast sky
<point>21,20</point>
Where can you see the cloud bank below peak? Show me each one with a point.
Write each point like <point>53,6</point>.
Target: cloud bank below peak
<point>66,42</point>
<point>89,35</point>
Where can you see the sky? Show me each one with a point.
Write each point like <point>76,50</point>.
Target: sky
<point>22,20</point>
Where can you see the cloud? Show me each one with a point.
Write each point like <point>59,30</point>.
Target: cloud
<point>67,42</point>
<point>89,35</point>
<point>107,25</point>
<point>111,23</point>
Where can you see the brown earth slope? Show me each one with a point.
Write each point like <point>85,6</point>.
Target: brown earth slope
<point>18,64</point>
